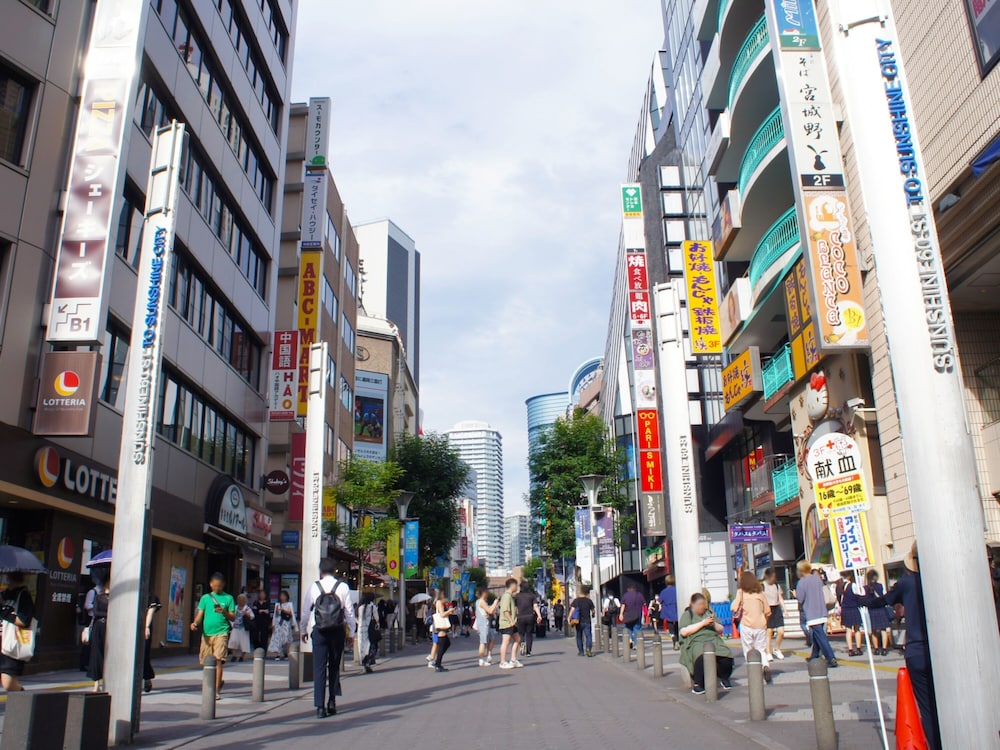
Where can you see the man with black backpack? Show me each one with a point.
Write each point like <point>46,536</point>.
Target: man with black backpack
<point>331,624</point>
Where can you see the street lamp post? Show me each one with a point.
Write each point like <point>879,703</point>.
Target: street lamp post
<point>402,504</point>
<point>592,485</point>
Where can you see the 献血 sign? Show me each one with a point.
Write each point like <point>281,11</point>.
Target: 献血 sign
<point>834,464</point>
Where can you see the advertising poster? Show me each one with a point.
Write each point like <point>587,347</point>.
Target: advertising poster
<point>702,298</point>
<point>371,394</point>
<point>642,349</point>
<point>584,554</point>
<point>411,549</point>
<point>392,556</point>
<point>175,605</point>
<point>851,544</point>
<point>605,530</point>
<point>834,464</point>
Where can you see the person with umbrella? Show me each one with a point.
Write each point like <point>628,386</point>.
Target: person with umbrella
<point>100,571</point>
<point>16,605</point>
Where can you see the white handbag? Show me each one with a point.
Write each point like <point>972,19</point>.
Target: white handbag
<point>19,643</point>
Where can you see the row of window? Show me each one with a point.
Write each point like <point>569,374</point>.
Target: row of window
<point>251,61</point>
<point>329,300</point>
<point>190,294</point>
<point>16,94</point>
<point>221,101</point>
<point>346,394</point>
<point>347,333</point>
<point>272,19</point>
<point>332,237</point>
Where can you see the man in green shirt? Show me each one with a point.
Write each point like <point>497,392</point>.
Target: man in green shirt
<point>508,627</point>
<point>216,611</point>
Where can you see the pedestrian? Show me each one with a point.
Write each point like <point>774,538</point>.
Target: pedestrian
<point>668,609</point>
<point>428,620</point>
<point>881,632</point>
<point>610,610</point>
<point>284,627</point>
<point>558,614</point>
<point>383,619</point>
<point>814,607</point>
<point>908,591</point>
<point>754,614</point>
<point>239,638</point>
<point>420,620</point>
<point>153,606</point>
<point>581,614</point>
<point>261,631</point>
<point>630,612</point>
<point>654,608</point>
<point>84,614</point>
<point>466,618</point>
<point>17,608</point>
<point>483,625</point>
<point>528,616</point>
<point>543,623</point>
<point>776,620</point>
<point>97,631</point>
<point>508,627</point>
<point>442,627</point>
<point>850,614</point>
<point>330,624</point>
<point>697,628</point>
<point>369,634</point>
<point>216,612</point>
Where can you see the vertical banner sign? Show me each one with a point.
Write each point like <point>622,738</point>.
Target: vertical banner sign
<point>318,135</point>
<point>95,172</point>
<point>313,208</point>
<point>284,386</point>
<point>297,489</point>
<point>810,123</point>
<point>135,476</point>
<point>702,298</point>
<point>175,605</point>
<point>411,549</point>
<point>371,393</point>
<point>66,392</point>
<point>742,379</point>
<point>584,553</point>
<point>851,544</point>
<point>392,556</point>
<point>310,279</point>
<point>312,515</point>
<point>606,539</point>
<point>801,329</point>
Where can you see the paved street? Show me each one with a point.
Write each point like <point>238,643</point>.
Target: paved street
<point>557,701</point>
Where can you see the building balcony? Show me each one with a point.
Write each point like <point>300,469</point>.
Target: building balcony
<point>778,372</point>
<point>756,45</point>
<point>762,489</point>
<point>778,242</point>
<point>705,13</point>
<point>785,480</point>
<point>769,136</point>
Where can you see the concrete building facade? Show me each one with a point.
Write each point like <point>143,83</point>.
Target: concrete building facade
<point>481,447</point>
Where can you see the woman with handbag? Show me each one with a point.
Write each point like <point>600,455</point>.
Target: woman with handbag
<point>17,611</point>
<point>284,627</point>
<point>442,627</point>
<point>97,630</point>
<point>239,636</point>
<point>753,611</point>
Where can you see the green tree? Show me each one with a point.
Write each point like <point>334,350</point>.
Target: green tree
<point>572,447</point>
<point>433,470</point>
<point>531,569</point>
<point>478,577</point>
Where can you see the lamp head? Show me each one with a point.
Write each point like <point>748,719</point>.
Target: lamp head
<point>592,485</point>
<point>403,503</point>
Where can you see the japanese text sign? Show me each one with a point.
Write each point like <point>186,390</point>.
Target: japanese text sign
<point>834,464</point>
<point>310,278</point>
<point>283,390</point>
<point>851,542</point>
<point>631,201</point>
<point>749,533</point>
<point>702,298</point>
<point>741,379</point>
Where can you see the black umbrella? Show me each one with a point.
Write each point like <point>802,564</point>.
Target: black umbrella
<point>19,560</point>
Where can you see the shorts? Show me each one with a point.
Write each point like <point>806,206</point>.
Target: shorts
<point>508,631</point>
<point>216,645</point>
<point>776,619</point>
<point>486,634</point>
<point>434,637</point>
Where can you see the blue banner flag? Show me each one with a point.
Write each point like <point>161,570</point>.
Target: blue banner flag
<point>411,549</point>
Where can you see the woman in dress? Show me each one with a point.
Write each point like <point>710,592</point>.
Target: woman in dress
<point>698,627</point>
<point>99,625</point>
<point>850,614</point>
<point>442,609</point>
<point>283,628</point>
<point>261,620</point>
<point>148,675</point>
<point>753,621</point>
<point>367,629</point>
<point>239,636</point>
<point>881,631</point>
<point>776,622</point>
<point>18,608</point>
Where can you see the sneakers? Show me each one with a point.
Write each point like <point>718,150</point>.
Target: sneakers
<point>482,662</point>
<point>506,665</point>
<point>767,675</point>
<point>832,664</point>
<point>778,655</point>
<point>697,689</point>
<point>489,661</point>
<point>580,653</point>
<point>430,665</point>
<point>725,684</point>
<point>517,664</point>
<point>589,652</point>
<point>430,658</point>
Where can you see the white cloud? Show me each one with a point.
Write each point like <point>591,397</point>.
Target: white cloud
<point>494,134</point>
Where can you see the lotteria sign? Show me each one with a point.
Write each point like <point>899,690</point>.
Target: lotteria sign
<point>83,479</point>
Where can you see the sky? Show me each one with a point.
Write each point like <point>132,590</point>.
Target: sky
<point>496,135</point>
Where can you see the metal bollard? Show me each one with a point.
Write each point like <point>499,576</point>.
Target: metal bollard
<point>640,651</point>
<point>391,639</point>
<point>259,655</point>
<point>616,644</point>
<point>294,673</point>
<point>822,705</point>
<point>755,685</point>
<point>711,669</point>
<point>626,646</point>
<point>658,656</point>
<point>208,688</point>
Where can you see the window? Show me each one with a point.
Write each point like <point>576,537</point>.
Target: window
<point>251,60</point>
<point>331,371</point>
<point>16,93</point>
<point>673,231</point>
<point>330,232</point>
<point>673,204</point>
<point>114,360</point>
<point>328,440</point>
<point>129,237</point>
<point>670,177</point>
<point>329,300</point>
<point>350,277</point>
<point>346,394</point>
<point>347,333</point>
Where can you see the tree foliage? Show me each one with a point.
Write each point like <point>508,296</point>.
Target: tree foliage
<point>433,470</point>
<point>478,577</point>
<point>366,487</point>
<point>572,447</point>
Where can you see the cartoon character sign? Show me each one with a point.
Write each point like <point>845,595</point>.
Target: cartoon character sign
<point>817,396</point>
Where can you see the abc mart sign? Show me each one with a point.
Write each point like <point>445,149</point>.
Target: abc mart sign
<point>85,480</point>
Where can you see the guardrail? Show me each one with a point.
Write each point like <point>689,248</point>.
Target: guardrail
<point>756,41</point>
<point>777,371</point>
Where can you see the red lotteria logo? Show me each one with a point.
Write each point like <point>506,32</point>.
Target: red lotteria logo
<point>47,464</point>
<point>67,383</point>
<point>65,553</point>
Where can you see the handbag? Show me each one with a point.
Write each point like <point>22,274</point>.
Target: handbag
<point>85,635</point>
<point>19,643</point>
<point>574,616</point>
<point>738,614</point>
<point>441,622</point>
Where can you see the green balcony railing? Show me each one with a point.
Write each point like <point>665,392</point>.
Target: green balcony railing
<point>768,135</point>
<point>756,41</point>
<point>778,240</point>
<point>778,371</point>
<point>785,479</point>
<point>723,5</point>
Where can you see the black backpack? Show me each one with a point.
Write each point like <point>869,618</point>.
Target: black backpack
<point>328,611</point>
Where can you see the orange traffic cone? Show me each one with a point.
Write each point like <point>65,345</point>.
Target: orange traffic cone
<point>909,730</point>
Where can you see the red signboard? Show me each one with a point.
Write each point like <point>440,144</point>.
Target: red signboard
<point>284,376</point>
<point>648,424</point>
<point>297,493</point>
<point>463,548</point>
<point>650,471</point>
<point>635,266</point>
<point>639,311</point>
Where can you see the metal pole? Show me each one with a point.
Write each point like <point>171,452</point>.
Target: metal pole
<point>822,705</point>
<point>259,656</point>
<point>711,670</point>
<point>755,685</point>
<point>402,588</point>
<point>867,626</point>
<point>208,688</point>
<point>312,519</point>
<point>937,450</point>
<point>294,669</point>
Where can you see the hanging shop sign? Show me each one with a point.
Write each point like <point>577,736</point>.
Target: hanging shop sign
<point>702,298</point>
<point>77,477</point>
<point>283,389</point>
<point>834,463</point>
<point>654,520</point>
<point>749,533</point>
<point>318,131</point>
<point>277,482</point>
<point>67,390</point>
<point>741,379</point>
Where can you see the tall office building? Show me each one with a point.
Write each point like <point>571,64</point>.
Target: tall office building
<point>543,411</point>
<point>221,69</point>
<point>390,273</point>
<point>518,540</point>
<point>481,447</point>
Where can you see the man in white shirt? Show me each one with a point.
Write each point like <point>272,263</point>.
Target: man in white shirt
<point>328,642</point>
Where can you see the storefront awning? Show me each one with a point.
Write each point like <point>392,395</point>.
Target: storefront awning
<point>222,535</point>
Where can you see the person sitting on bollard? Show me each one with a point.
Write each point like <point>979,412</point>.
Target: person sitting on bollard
<point>754,613</point>
<point>698,628</point>
<point>216,612</point>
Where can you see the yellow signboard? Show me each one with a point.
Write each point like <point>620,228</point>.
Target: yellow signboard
<point>702,298</point>
<point>806,352</point>
<point>310,276</point>
<point>742,378</point>
<point>392,555</point>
